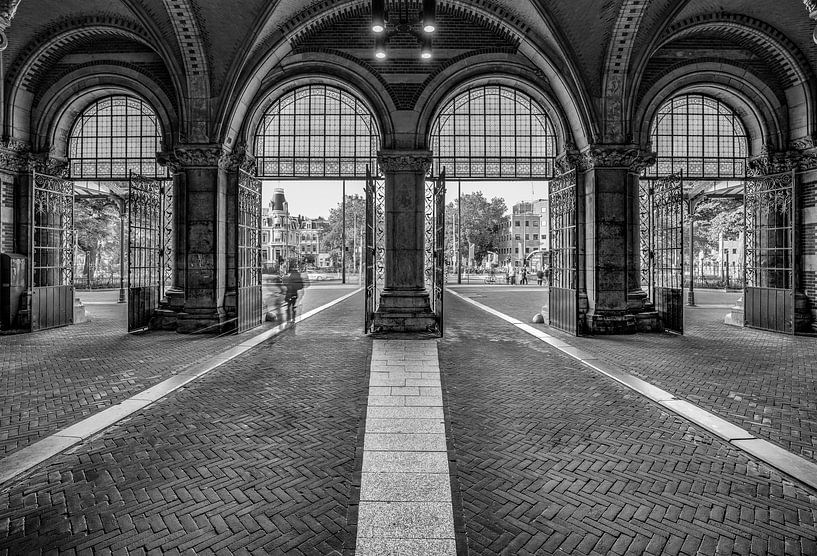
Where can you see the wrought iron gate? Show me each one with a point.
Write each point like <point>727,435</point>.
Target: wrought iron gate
<point>248,252</point>
<point>666,198</point>
<point>150,233</point>
<point>770,210</point>
<point>434,270</point>
<point>51,260</point>
<point>375,248</point>
<point>563,296</point>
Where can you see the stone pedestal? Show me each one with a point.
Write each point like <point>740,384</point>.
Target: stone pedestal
<point>404,303</point>
<point>735,315</point>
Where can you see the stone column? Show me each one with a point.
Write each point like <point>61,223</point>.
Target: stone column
<point>612,238</point>
<point>201,234</point>
<point>404,303</point>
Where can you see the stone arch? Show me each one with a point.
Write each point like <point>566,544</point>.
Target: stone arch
<point>781,55</point>
<point>31,65</point>
<point>760,111</point>
<point>494,71</point>
<point>55,119</point>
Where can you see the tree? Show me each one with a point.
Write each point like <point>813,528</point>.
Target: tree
<point>481,223</point>
<point>716,218</point>
<point>97,225</point>
<point>355,230</point>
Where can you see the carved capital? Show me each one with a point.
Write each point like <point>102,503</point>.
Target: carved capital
<point>569,159</point>
<point>237,158</point>
<point>617,156</point>
<point>14,155</point>
<point>191,156</point>
<point>44,163</point>
<point>771,162</point>
<point>404,161</point>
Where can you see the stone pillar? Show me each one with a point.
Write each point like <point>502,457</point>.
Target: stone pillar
<point>404,303</point>
<point>612,239</point>
<point>201,234</point>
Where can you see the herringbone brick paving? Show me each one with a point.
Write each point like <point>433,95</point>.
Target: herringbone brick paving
<point>256,457</point>
<point>555,459</point>
<point>54,378</point>
<point>761,381</point>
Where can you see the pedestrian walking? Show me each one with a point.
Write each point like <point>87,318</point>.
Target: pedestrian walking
<point>293,283</point>
<point>524,280</point>
<point>539,275</point>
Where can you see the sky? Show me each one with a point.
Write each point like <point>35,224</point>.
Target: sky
<point>315,198</point>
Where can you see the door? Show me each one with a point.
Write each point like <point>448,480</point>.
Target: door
<point>770,210</point>
<point>146,255</point>
<point>375,246</point>
<point>51,259</point>
<point>667,203</point>
<point>434,270</point>
<point>248,252</point>
<point>563,294</point>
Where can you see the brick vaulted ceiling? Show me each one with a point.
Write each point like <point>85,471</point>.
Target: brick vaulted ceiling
<point>218,39</point>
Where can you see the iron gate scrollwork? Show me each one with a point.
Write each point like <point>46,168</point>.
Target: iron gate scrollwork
<point>667,220</point>
<point>645,230</point>
<point>150,239</point>
<point>248,252</point>
<point>375,248</point>
<point>770,211</point>
<point>434,268</point>
<point>563,295</point>
<point>51,260</point>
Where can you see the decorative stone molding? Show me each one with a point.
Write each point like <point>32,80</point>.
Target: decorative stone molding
<point>191,156</point>
<point>44,163</point>
<point>569,159</point>
<point>616,156</point>
<point>14,155</point>
<point>404,161</point>
<point>7,10</point>
<point>237,158</point>
<point>771,162</point>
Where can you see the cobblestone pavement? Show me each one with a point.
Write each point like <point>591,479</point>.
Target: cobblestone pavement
<point>54,378</point>
<point>554,459</point>
<point>256,457</point>
<point>761,381</point>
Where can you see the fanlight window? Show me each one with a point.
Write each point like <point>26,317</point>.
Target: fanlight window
<point>493,132</point>
<point>113,136</point>
<point>317,131</point>
<point>700,136</point>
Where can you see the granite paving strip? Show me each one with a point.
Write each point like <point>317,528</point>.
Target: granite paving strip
<point>785,461</point>
<point>257,457</point>
<point>25,459</point>
<point>405,491</point>
<point>551,458</point>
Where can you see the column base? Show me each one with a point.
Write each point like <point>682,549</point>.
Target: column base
<point>405,312</point>
<point>802,313</point>
<point>166,317</point>
<point>202,321</point>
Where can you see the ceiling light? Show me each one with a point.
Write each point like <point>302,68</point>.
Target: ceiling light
<point>429,15</point>
<point>425,52</point>
<point>378,16</point>
<point>380,46</point>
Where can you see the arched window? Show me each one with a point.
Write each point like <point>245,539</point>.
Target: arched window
<point>316,131</point>
<point>493,132</point>
<point>115,135</point>
<point>699,135</point>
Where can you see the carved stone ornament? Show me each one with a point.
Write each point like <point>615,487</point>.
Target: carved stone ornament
<point>14,155</point>
<point>569,159</point>
<point>617,156</point>
<point>770,162</point>
<point>237,158</point>
<point>404,161</point>
<point>44,163</point>
<point>191,156</point>
<point>811,7</point>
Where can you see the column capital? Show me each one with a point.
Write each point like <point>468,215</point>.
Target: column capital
<point>44,163</point>
<point>237,158</point>
<point>631,157</point>
<point>14,155</point>
<point>183,157</point>
<point>775,162</point>
<point>404,161</point>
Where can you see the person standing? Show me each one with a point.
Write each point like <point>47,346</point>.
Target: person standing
<point>539,275</point>
<point>524,280</point>
<point>293,283</point>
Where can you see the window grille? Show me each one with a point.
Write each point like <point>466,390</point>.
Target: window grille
<point>114,136</point>
<point>316,131</point>
<point>493,132</point>
<point>700,136</point>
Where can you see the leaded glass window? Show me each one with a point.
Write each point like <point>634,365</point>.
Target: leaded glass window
<point>493,132</point>
<point>317,131</point>
<point>113,136</point>
<point>700,136</point>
